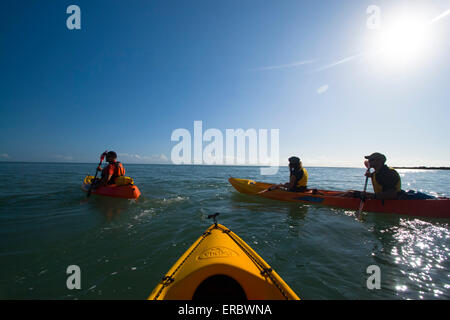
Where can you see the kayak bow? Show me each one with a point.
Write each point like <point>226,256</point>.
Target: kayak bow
<point>221,266</point>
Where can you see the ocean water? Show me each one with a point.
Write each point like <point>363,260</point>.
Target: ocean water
<point>124,247</point>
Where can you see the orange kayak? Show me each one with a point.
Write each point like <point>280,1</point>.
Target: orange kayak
<point>434,208</point>
<point>126,191</point>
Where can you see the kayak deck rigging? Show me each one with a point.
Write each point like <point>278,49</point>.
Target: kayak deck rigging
<point>221,266</point>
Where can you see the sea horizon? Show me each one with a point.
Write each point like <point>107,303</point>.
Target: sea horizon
<point>418,167</point>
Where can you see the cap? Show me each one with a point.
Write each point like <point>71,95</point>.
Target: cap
<point>294,160</point>
<point>376,156</point>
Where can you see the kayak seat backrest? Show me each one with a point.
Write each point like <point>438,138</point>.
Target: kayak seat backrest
<point>219,287</point>
<point>123,181</point>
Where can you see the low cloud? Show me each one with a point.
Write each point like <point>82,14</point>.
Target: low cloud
<point>4,156</point>
<point>322,89</point>
<point>136,158</point>
<point>62,157</point>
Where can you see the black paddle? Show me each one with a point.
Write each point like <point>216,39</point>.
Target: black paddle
<point>96,172</point>
<point>363,197</point>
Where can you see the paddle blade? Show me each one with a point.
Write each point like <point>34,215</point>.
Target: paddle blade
<point>103,155</point>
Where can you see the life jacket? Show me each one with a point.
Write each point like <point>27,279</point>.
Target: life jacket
<point>378,184</point>
<point>119,170</point>
<point>301,177</point>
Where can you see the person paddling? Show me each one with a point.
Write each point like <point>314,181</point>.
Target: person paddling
<point>298,178</point>
<point>113,170</point>
<point>386,181</point>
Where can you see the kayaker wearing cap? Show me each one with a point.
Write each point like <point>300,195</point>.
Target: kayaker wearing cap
<point>298,177</point>
<point>113,170</point>
<point>386,181</point>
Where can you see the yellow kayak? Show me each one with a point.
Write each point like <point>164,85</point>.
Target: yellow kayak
<point>221,266</point>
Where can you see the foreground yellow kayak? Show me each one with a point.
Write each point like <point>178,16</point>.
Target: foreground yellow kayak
<point>221,266</point>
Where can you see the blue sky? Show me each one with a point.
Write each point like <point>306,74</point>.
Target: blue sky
<point>138,70</point>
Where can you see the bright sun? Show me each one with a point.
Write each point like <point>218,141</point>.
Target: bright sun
<point>402,42</point>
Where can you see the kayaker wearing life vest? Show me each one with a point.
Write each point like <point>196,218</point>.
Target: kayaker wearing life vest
<point>298,179</point>
<point>113,170</point>
<point>386,181</point>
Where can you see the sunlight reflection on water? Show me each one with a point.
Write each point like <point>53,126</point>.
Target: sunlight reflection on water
<point>415,250</point>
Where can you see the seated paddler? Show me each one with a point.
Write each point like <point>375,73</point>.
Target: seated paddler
<point>298,177</point>
<point>386,181</point>
<point>112,171</point>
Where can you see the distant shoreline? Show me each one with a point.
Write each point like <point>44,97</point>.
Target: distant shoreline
<point>216,165</point>
<point>424,168</point>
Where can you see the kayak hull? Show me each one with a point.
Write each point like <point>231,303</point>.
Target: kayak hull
<point>129,191</point>
<point>221,266</point>
<point>434,208</point>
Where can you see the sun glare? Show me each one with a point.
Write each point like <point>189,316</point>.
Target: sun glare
<point>403,41</point>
